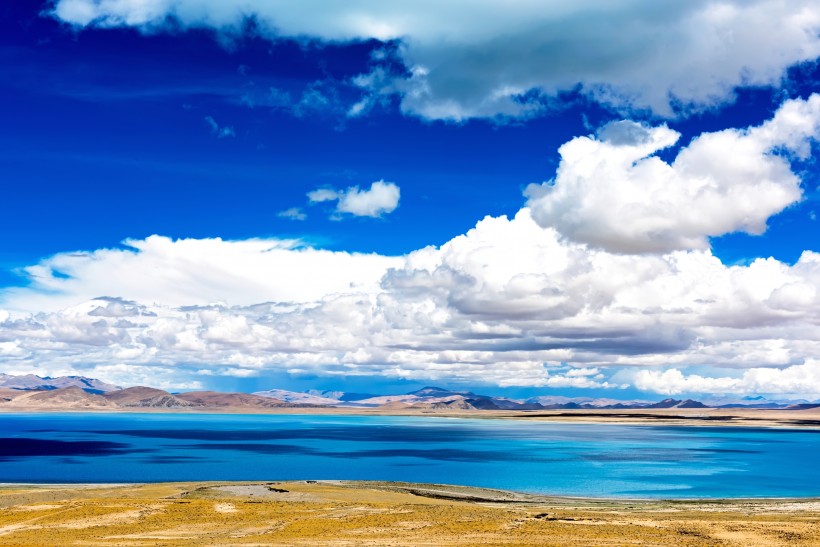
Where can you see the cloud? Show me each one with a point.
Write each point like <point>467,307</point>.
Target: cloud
<point>512,302</point>
<point>322,194</point>
<point>466,58</point>
<point>795,381</point>
<point>380,199</point>
<point>611,190</point>
<point>197,271</point>
<point>294,213</point>
<point>217,131</point>
<point>136,375</point>
<point>508,303</point>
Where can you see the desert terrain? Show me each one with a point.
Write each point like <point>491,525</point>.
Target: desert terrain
<point>350,513</point>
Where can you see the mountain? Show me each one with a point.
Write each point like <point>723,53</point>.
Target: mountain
<point>75,398</point>
<point>424,395</point>
<point>71,397</point>
<point>689,403</point>
<point>755,402</point>
<point>453,404</point>
<point>556,401</point>
<point>434,392</point>
<point>79,392</point>
<point>7,394</point>
<point>340,395</point>
<point>437,398</point>
<point>382,400</point>
<point>146,397</point>
<point>803,406</point>
<point>32,382</point>
<point>298,397</point>
<point>675,403</point>
<point>216,399</point>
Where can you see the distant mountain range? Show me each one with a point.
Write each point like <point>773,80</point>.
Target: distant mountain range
<point>78,392</point>
<point>30,381</point>
<point>135,398</point>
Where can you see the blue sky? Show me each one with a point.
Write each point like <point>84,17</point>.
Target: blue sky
<point>191,121</point>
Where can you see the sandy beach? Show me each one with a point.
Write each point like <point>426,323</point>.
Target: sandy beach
<point>368,513</point>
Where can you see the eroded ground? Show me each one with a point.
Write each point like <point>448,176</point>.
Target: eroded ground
<point>325,513</point>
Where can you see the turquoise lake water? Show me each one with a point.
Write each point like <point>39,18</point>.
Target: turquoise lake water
<point>541,457</point>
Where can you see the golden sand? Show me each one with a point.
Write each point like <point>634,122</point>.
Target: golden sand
<point>351,514</point>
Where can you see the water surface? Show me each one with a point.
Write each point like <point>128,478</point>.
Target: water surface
<point>540,457</point>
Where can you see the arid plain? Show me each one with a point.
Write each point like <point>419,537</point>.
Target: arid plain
<point>343,514</point>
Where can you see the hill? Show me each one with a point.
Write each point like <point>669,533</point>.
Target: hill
<point>146,397</point>
<point>216,399</point>
<point>71,397</point>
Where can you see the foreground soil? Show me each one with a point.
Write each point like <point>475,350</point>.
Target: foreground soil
<point>362,513</point>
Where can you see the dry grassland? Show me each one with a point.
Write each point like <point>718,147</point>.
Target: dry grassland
<point>353,514</point>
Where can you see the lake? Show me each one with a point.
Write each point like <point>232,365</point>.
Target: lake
<point>540,457</point>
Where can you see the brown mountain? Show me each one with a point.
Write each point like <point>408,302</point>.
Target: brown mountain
<point>454,404</point>
<point>68,397</point>
<point>218,399</point>
<point>146,397</point>
<point>675,403</point>
<point>7,394</point>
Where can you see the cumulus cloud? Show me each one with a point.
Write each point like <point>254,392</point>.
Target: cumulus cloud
<point>382,198</point>
<point>796,381</point>
<point>512,302</point>
<point>508,303</point>
<point>611,190</point>
<point>196,271</point>
<point>468,58</point>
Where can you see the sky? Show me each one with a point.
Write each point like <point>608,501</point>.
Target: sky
<point>521,198</point>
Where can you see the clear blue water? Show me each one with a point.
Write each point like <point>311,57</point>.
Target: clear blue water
<point>541,457</point>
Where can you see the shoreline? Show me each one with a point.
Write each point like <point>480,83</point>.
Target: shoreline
<point>708,417</point>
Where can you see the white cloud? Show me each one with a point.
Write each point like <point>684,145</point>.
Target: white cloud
<point>220,132</point>
<point>196,271</point>
<point>613,192</point>
<point>382,198</point>
<point>509,302</point>
<point>476,58</point>
<point>322,194</point>
<point>135,375</point>
<point>294,213</point>
<point>795,381</point>
<point>506,303</point>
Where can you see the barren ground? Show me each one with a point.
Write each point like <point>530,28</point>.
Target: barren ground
<point>363,513</point>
